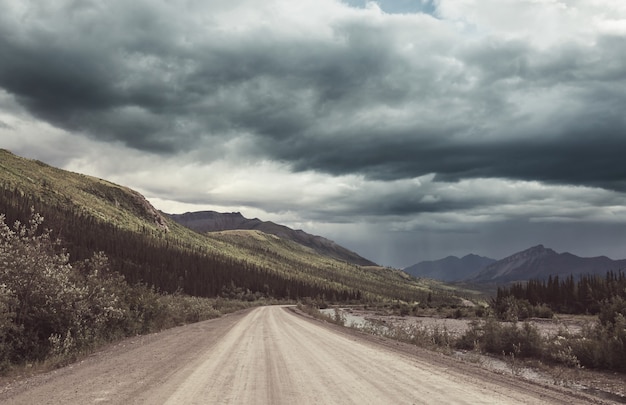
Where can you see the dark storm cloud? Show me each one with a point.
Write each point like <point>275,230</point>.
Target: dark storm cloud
<point>388,98</point>
<point>580,139</point>
<point>587,155</point>
<point>125,79</point>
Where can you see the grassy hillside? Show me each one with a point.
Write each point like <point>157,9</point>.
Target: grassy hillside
<point>91,214</point>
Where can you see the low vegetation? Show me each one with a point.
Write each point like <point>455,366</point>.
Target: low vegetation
<point>496,330</point>
<point>601,345</point>
<point>52,310</point>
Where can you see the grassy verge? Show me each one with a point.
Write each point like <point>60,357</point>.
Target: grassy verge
<point>171,311</point>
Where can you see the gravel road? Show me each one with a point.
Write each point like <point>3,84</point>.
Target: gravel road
<point>271,355</point>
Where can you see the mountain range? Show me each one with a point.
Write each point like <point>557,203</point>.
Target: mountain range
<point>450,268</point>
<point>211,221</point>
<point>540,262</point>
<point>537,262</point>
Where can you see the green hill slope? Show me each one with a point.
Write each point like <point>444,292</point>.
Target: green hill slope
<point>91,214</point>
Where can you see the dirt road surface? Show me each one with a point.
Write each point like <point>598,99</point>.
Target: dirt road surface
<point>270,355</point>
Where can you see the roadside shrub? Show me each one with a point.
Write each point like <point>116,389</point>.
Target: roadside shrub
<point>611,311</point>
<point>527,339</point>
<point>102,310</point>
<point>479,311</point>
<point>511,309</point>
<point>38,290</point>
<point>405,309</point>
<point>603,345</point>
<point>458,313</point>
<point>441,337</point>
<point>53,309</point>
<point>543,311</point>
<point>339,317</point>
<point>182,309</point>
<point>494,337</point>
<point>472,337</point>
<point>557,349</point>
<point>508,309</point>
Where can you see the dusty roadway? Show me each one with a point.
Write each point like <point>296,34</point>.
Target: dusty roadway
<point>270,355</point>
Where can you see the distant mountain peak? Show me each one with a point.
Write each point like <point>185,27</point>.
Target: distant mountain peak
<point>540,249</point>
<point>535,251</point>
<point>539,262</point>
<point>450,268</point>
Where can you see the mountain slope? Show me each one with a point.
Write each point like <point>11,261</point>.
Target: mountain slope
<point>539,262</point>
<point>450,268</point>
<point>211,221</point>
<point>92,214</point>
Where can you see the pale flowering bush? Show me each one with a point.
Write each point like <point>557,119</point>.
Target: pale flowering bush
<point>51,308</point>
<point>559,350</point>
<point>38,289</point>
<point>103,310</point>
<point>47,305</point>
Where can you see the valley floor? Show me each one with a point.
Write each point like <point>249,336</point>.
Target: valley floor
<point>271,355</point>
<point>604,384</point>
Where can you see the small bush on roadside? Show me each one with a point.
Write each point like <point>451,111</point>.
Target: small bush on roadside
<point>471,338</point>
<point>559,350</point>
<point>603,345</point>
<point>339,317</point>
<point>479,311</point>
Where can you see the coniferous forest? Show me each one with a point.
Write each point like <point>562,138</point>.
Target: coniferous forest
<point>583,295</point>
<point>92,215</point>
<point>600,345</point>
<point>148,256</point>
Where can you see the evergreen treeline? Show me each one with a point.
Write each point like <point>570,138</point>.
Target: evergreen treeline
<point>150,256</point>
<point>601,345</point>
<point>584,295</point>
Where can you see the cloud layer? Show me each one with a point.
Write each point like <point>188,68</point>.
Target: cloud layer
<point>440,115</point>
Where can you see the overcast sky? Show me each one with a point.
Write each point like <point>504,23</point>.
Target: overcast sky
<point>406,130</point>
